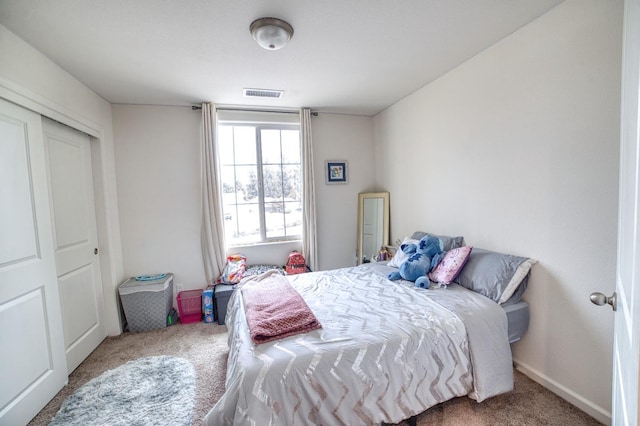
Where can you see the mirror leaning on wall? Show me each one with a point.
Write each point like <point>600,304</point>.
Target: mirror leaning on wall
<point>373,225</point>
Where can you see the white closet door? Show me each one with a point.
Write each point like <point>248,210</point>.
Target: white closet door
<point>75,240</point>
<point>33,367</point>
<point>626,342</point>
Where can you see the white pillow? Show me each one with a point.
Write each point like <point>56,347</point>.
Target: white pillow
<point>399,257</point>
<point>516,279</point>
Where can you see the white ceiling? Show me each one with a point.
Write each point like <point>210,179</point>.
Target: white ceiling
<point>346,56</point>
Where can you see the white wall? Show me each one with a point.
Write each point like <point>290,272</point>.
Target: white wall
<point>158,173</point>
<point>157,151</point>
<point>341,137</point>
<point>29,79</point>
<point>517,150</point>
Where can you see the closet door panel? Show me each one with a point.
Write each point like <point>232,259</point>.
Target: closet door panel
<point>76,239</point>
<point>33,367</point>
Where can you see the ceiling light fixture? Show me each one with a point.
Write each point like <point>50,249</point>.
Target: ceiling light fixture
<point>271,33</point>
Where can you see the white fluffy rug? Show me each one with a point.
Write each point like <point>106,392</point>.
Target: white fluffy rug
<point>157,390</point>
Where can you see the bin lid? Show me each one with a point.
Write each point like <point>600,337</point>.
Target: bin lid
<point>222,289</point>
<point>134,286</point>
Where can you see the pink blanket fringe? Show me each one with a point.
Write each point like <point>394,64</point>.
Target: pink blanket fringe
<point>274,309</point>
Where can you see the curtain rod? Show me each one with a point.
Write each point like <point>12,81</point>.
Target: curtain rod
<point>195,107</point>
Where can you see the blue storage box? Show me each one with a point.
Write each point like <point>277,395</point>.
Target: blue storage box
<point>207,305</point>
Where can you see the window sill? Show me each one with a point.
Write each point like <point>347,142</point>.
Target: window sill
<point>273,244</point>
<point>274,253</point>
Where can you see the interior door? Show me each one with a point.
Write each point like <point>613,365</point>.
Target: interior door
<point>33,367</point>
<point>626,353</point>
<point>75,240</point>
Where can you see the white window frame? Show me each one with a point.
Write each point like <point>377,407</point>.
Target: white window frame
<point>261,121</point>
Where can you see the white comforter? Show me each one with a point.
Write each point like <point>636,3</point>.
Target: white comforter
<point>386,351</point>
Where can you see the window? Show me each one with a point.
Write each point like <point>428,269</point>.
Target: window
<point>261,178</point>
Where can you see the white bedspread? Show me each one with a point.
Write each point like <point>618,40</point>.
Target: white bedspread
<point>386,351</point>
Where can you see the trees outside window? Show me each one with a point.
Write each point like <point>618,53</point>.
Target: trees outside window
<point>261,176</point>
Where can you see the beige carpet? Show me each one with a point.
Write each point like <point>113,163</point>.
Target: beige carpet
<point>205,345</point>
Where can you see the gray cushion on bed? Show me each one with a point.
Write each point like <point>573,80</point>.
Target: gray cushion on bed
<point>448,242</point>
<point>489,273</point>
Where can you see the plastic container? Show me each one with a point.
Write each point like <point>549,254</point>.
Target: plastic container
<point>190,306</point>
<point>207,305</point>
<point>222,293</point>
<point>146,304</point>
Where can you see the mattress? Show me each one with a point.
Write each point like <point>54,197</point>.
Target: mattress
<point>517,320</point>
<point>517,313</point>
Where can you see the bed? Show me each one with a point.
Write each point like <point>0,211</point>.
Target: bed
<point>386,351</point>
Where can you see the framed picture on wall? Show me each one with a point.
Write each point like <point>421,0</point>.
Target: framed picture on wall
<point>336,171</point>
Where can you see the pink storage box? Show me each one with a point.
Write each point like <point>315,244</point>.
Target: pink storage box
<point>190,306</point>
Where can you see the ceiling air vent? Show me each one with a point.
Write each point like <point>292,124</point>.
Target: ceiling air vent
<point>263,93</point>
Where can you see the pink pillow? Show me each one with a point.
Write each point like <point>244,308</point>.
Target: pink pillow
<point>451,265</point>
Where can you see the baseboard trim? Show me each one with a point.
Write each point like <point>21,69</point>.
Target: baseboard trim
<point>565,393</point>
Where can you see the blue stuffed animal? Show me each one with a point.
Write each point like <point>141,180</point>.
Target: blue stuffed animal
<point>424,257</point>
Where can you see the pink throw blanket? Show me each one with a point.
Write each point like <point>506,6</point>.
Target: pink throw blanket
<point>274,309</point>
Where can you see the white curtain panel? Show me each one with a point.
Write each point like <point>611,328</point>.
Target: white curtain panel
<point>213,252</point>
<point>309,240</point>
